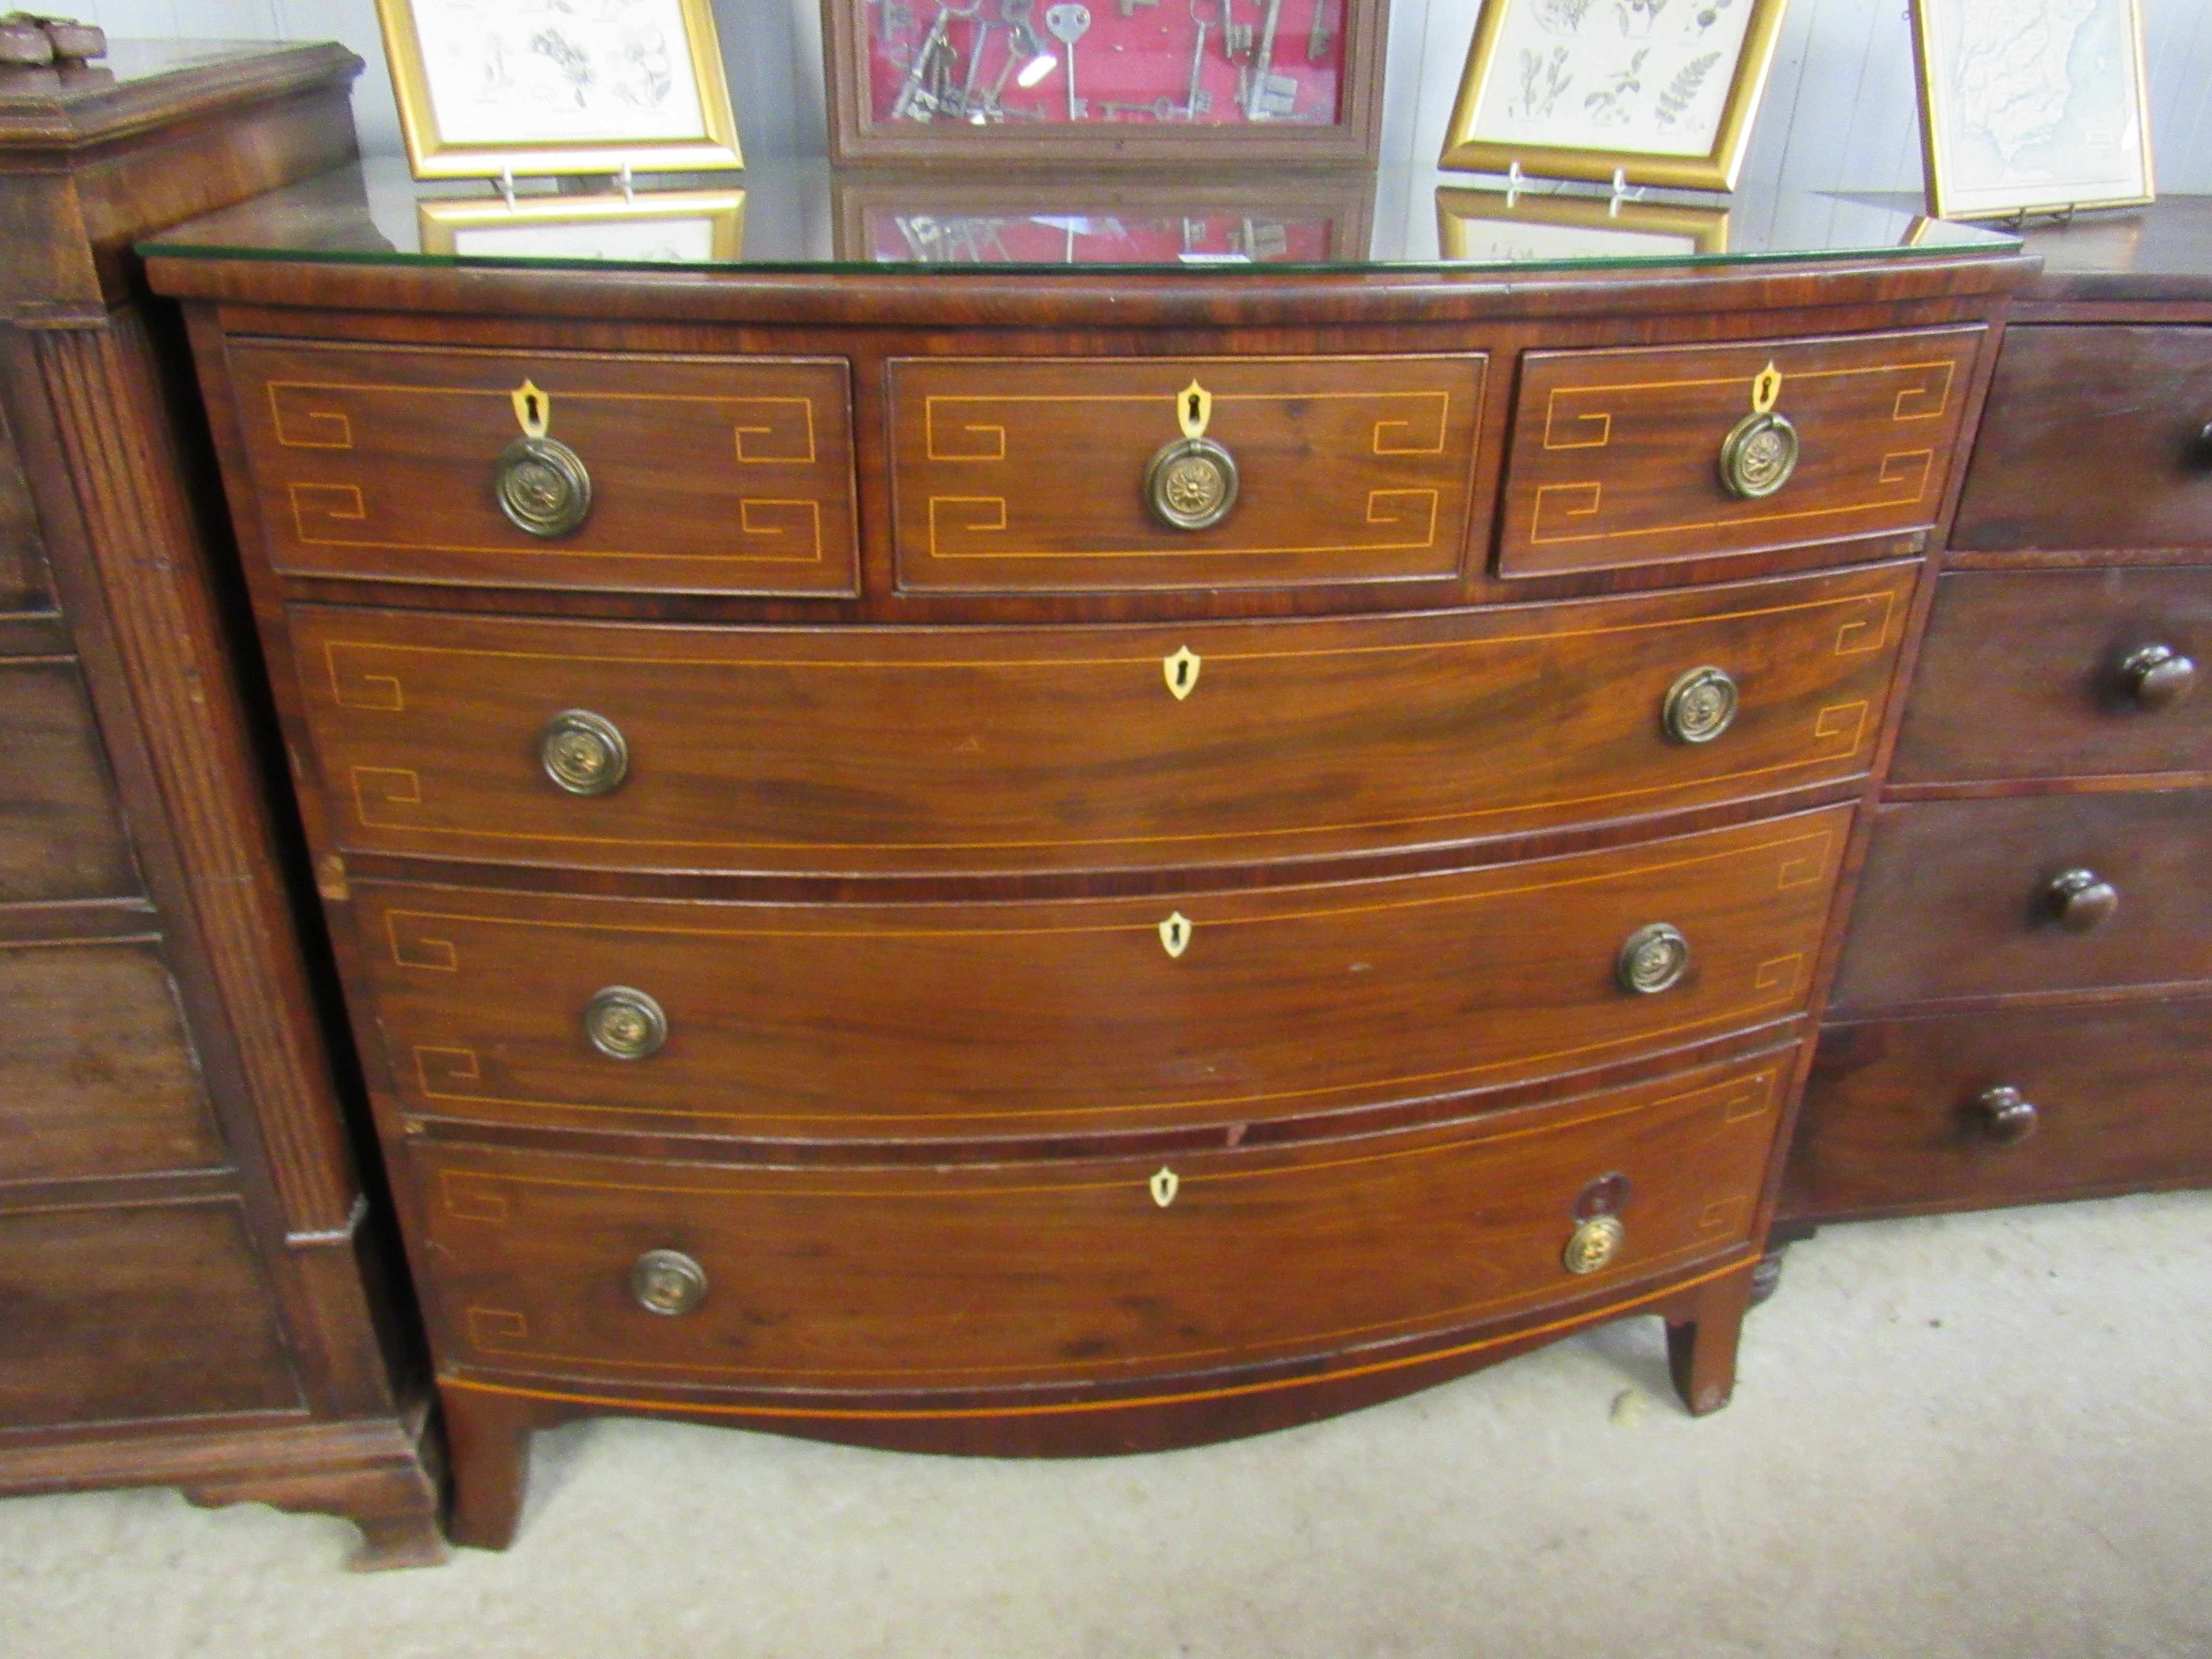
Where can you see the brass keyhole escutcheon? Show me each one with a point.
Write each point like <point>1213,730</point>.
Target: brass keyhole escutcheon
<point>1759,455</point>
<point>1165,1184</point>
<point>1181,671</point>
<point>1191,484</point>
<point>542,486</point>
<point>667,1282</point>
<point>1699,706</point>
<point>624,1023</point>
<point>583,752</point>
<point>1594,1243</point>
<point>1174,935</point>
<point>1654,960</point>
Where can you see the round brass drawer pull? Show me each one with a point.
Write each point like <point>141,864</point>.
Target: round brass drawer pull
<point>1699,706</point>
<point>623,1024</point>
<point>667,1282</point>
<point>1654,960</point>
<point>2007,1117</point>
<point>584,753</point>
<point>2157,677</point>
<point>1191,484</point>
<point>1759,455</point>
<point>543,486</point>
<point>1595,1241</point>
<point>2082,900</point>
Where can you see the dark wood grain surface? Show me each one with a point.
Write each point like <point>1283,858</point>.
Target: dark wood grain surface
<point>912,750</point>
<point>61,836</point>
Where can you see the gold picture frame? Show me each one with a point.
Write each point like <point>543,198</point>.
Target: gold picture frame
<point>1950,196</point>
<point>515,69</point>
<point>1480,136</point>
<point>1600,221</point>
<point>477,227</point>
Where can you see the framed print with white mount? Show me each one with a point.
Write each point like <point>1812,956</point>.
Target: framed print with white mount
<point>661,227</point>
<point>1210,84</point>
<point>1501,226</point>
<point>2031,106</point>
<point>491,87</point>
<point>1649,92</point>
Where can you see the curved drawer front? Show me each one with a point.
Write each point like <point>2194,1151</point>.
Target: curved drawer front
<point>870,1020</point>
<point>1959,899</point>
<point>2059,673</point>
<point>1617,456</point>
<point>1023,475</point>
<point>1080,1272</point>
<point>707,474</point>
<point>831,750</point>
<point>1896,1115</point>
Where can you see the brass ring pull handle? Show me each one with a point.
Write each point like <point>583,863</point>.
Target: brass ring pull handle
<point>623,1024</point>
<point>1191,484</point>
<point>1594,1243</point>
<point>2006,1116</point>
<point>542,486</point>
<point>1759,455</point>
<point>667,1282</point>
<point>2157,677</point>
<point>2082,900</point>
<point>1653,960</point>
<point>583,752</point>
<point>1699,706</point>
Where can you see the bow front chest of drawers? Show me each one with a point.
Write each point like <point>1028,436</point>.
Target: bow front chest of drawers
<point>1058,864</point>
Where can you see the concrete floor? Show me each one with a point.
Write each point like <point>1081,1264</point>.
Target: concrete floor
<point>1977,1436</point>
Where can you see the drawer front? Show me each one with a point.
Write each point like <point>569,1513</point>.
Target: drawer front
<point>1079,1271</point>
<point>2061,673</point>
<point>837,1021</point>
<point>1027,475</point>
<point>2093,437</point>
<point>931,749</point>
<point>708,475</point>
<point>1956,899</point>
<point>61,833</point>
<point>97,1075</point>
<point>1616,455</point>
<point>139,1312</point>
<point>1896,1117</point>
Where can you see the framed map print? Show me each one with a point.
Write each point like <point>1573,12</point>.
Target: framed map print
<point>1661,92</point>
<point>2031,106</point>
<point>529,87</point>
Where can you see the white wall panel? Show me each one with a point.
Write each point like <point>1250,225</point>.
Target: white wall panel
<point>1841,90</point>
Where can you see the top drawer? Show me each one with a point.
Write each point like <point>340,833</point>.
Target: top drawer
<point>1038,475</point>
<point>2093,437</point>
<point>697,475</point>
<point>1617,456</point>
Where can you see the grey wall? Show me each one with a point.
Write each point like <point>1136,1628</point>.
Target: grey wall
<point>1842,83</point>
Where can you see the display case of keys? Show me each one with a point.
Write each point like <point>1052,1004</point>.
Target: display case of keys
<point>1139,81</point>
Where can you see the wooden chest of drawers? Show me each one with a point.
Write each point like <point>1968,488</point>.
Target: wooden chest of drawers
<point>2020,1012</point>
<point>1184,917</point>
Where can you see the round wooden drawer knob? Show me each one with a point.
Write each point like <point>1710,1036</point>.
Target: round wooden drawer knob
<point>2006,1116</point>
<point>1654,960</point>
<point>2082,900</point>
<point>2157,677</point>
<point>667,1282</point>
<point>543,486</point>
<point>1699,706</point>
<point>583,752</point>
<point>623,1024</point>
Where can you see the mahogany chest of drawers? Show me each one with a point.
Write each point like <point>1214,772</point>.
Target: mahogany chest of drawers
<point>1057,865</point>
<point>2024,1004</point>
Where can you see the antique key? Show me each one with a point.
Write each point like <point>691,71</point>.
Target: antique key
<point>1196,102</point>
<point>1070,23</point>
<point>1160,109</point>
<point>1129,7</point>
<point>1322,35</point>
<point>1271,94</point>
<point>911,97</point>
<point>1236,36</point>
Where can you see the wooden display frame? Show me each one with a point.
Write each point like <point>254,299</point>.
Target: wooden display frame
<point>855,136</point>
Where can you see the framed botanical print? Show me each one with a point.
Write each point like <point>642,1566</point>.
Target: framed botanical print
<point>687,227</point>
<point>1659,92</point>
<point>2031,106</point>
<point>533,87</point>
<point>1496,227</point>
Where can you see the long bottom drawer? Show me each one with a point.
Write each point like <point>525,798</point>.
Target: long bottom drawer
<point>911,1279</point>
<point>1900,1114</point>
